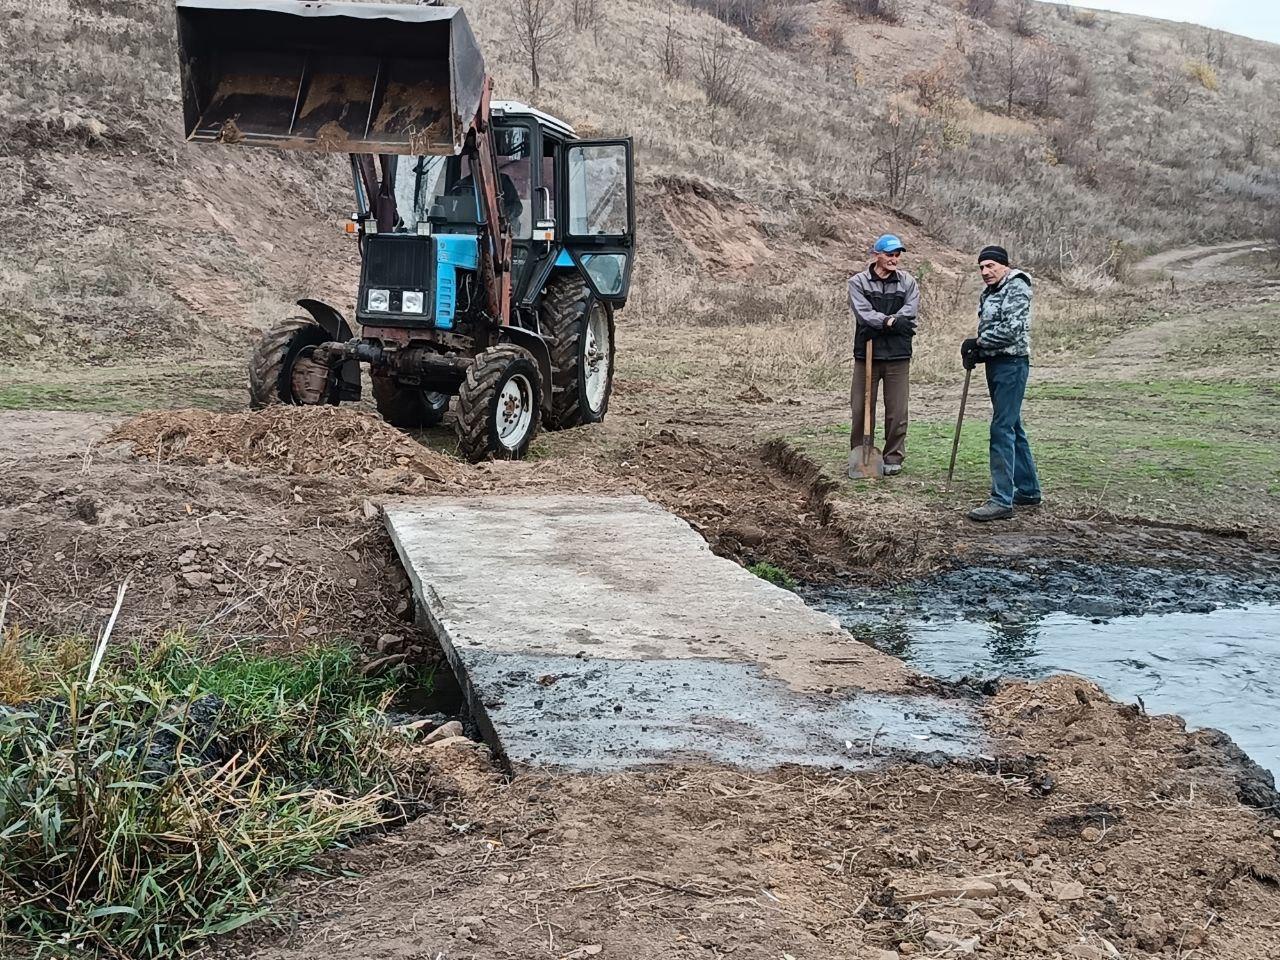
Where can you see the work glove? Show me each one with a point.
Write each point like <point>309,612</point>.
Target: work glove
<point>970,355</point>
<point>905,325</point>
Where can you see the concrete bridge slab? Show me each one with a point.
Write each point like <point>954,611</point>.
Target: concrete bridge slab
<point>599,632</point>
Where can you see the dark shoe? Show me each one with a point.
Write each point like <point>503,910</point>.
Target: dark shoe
<point>990,511</point>
<point>892,468</point>
<point>1027,501</point>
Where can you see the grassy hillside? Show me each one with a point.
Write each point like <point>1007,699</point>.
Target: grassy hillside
<point>774,140</point>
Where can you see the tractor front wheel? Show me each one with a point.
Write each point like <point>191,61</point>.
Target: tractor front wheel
<point>407,407</point>
<point>280,365</point>
<point>499,405</point>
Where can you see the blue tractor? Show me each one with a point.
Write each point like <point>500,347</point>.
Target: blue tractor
<point>496,245</point>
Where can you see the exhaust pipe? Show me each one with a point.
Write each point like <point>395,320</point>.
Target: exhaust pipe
<point>333,77</point>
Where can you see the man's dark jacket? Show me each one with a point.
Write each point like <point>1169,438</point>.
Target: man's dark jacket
<point>873,300</point>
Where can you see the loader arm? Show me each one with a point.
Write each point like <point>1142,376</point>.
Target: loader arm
<point>495,236</point>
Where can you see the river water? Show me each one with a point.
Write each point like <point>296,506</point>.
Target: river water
<point>1216,669</point>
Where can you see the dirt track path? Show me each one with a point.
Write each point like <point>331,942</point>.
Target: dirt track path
<point>1195,263</point>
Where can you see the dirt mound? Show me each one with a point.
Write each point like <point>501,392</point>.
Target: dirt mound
<point>310,441</point>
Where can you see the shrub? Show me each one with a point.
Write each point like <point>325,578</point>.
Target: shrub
<point>775,575</point>
<point>887,11</point>
<point>721,73</point>
<point>1203,74</point>
<point>980,9</point>
<point>153,805</point>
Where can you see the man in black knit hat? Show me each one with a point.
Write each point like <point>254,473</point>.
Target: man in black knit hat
<point>1003,343</point>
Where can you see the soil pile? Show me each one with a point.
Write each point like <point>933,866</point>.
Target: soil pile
<point>313,441</point>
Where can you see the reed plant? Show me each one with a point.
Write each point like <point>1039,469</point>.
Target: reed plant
<point>151,803</point>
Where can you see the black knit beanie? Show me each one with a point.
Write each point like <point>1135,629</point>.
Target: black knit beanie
<point>998,254</point>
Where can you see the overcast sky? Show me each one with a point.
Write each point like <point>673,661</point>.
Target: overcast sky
<point>1252,18</point>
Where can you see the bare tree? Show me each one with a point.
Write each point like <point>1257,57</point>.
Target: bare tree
<point>585,14</point>
<point>539,24</point>
<point>834,48</point>
<point>1171,89</point>
<point>671,56</point>
<point>1251,139</point>
<point>1024,18</point>
<point>980,9</point>
<point>903,151</point>
<point>1045,73</point>
<point>1271,230</point>
<point>721,72</point>
<point>1009,70</point>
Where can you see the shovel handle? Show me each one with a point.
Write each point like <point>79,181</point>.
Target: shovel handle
<point>866,405</point>
<point>955,443</point>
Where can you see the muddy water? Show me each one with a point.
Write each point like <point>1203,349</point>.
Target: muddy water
<point>1214,667</point>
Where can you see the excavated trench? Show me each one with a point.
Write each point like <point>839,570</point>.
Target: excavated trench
<point>1201,644</point>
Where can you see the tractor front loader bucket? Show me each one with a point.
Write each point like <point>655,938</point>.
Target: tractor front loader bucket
<point>336,77</point>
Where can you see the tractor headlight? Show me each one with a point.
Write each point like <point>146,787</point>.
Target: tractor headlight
<point>411,301</point>
<point>380,300</point>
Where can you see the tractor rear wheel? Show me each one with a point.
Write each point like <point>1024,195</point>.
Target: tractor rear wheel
<point>499,405</point>
<point>279,364</point>
<point>408,407</point>
<point>579,330</point>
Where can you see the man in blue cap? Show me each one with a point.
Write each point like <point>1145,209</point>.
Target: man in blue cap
<point>885,301</point>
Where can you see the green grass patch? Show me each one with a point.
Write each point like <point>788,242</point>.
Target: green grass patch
<point>126,389</point>
<point>155,806</point>
<point>775,575</point>
<point>1161,449</point>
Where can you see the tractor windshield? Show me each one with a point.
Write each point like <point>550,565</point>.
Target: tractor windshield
<point>442,187</point>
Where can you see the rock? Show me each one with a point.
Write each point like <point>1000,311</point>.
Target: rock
<point>1151,932</point>
<point>381,665</point>
<point>745,533</point>
<point>883,955</point>
<point>970,889</point>
<point>1098,868</point>
<point>443,732</point>
<point>1085,951</point>
<point>370,511</point>
<point>590,950</point>
<point>198,579</point>
<point>1017,888</point>
<point>950,943</point>
<point>1091,834</point>
<point>451,742</point>
<point>1071,890</point>
<point>389,640</point>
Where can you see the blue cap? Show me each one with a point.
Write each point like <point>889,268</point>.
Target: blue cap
<point>888,244</point>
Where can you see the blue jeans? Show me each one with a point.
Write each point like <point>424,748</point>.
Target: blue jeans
<point>1013,469</point>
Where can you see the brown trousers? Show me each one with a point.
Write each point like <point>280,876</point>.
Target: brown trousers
<point>894,374</point>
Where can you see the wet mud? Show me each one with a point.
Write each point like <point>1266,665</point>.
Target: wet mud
<point>577,713</point>
<point>1204,645</point>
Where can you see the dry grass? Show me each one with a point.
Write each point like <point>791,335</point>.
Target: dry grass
<point>152,245</point>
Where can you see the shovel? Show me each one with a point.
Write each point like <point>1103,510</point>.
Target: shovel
<point>955,444</point>
<point>866,462</point>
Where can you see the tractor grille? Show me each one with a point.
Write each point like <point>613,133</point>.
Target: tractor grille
<point>397,261</point>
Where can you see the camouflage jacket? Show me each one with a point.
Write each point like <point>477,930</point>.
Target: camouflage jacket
<point>1004,317</point>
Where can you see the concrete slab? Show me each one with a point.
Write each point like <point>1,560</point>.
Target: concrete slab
<point>596,632</point>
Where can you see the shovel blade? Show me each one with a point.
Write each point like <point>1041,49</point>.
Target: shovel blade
<point>866,463</point>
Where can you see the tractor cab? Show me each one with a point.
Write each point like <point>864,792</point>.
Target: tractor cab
<point>569,203</point>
